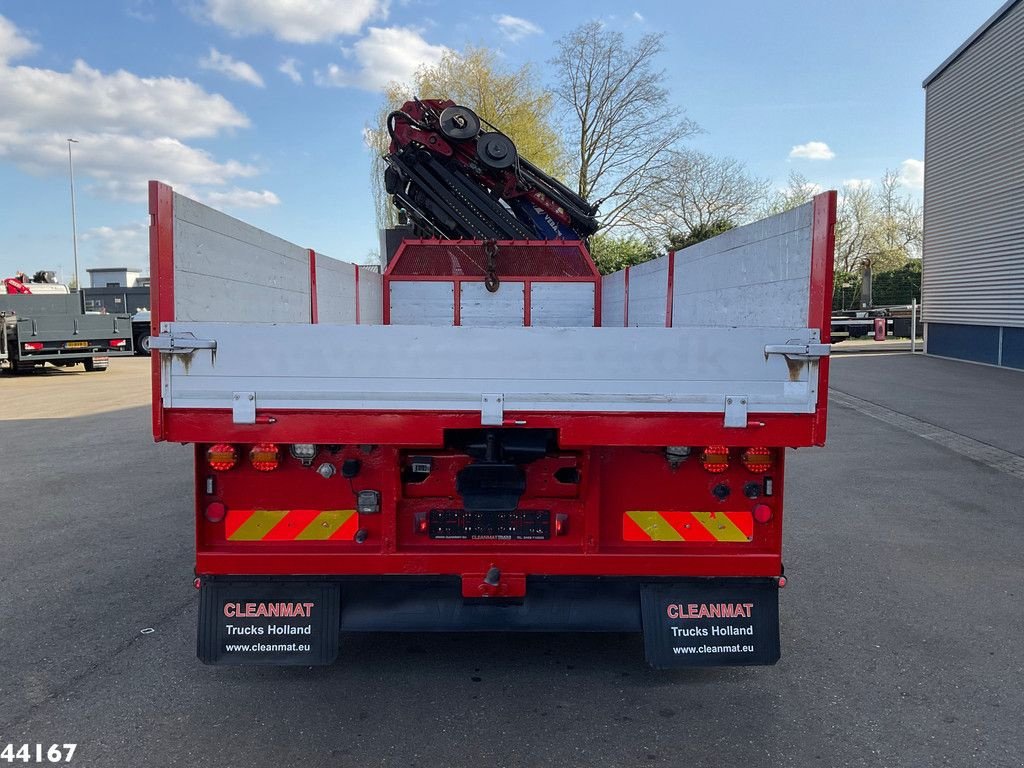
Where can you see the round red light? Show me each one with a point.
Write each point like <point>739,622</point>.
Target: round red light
<point>757,460</point>
<point>265,457</point>
<point>716,458</point>
<point>762,513</point>
<point>215,511</point>
<point>221,457</point>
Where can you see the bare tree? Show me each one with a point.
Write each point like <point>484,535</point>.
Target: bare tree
<point>856,224</point>
<point>900,227</point>
<point>798,190</point>
<point>700,191</point>
<point>623,122</point>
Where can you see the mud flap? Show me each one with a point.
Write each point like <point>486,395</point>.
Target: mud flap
<point>264,622</point>
<point>711,622</point>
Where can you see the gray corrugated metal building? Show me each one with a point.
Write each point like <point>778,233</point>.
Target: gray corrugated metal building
<point>972,288</point>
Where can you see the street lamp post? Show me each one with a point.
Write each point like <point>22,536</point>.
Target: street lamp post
<point>74,223</point>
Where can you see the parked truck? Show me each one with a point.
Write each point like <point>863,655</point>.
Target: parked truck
<point>490,435</point>
<point>44,323</point>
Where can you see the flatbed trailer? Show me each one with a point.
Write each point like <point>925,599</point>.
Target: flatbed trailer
<point>414,451</point>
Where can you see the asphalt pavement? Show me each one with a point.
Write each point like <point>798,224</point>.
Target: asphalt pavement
<point>901,621</point>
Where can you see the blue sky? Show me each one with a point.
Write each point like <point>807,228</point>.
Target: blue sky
<point>258,106</point>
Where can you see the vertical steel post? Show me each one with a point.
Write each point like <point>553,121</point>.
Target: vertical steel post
<point>913,326</point>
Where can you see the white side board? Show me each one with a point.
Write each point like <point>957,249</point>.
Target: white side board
<point>335,290</point>
<point>450,368</point>
<point>757,275</point>
<point>226,269</point>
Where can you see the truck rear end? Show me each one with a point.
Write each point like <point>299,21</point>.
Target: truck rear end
<point>489,436</point>
<point>51,328</point>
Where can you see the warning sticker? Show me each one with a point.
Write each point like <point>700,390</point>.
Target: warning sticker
<point>711,623</point>
<point>268,623</point>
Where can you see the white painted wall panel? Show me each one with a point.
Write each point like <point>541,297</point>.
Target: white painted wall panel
<point>371,305</point>
<point>613,295</point>
<point>973,262</point>
<point>505,307</point>
<point>335,290</point>
<point>227,270</point>
<point>422,302</point>
<point>565,305</point>
<point>648,293</point>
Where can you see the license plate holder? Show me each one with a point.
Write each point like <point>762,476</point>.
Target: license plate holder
<point>489,525</point>
<point>710,622</point>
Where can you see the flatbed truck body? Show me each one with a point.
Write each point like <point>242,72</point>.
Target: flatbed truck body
<point>415,451</point>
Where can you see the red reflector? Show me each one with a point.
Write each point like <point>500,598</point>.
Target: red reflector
<point>32,346</point>
<point>758,460</point>
<point>762,513</point>
<point>716,458</point>
<point>215,511</point>
<point>118,342</point>
<point>265,457</point>
<point>221,457</point>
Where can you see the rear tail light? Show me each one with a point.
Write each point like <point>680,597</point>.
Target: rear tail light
<point>221,457</point>
<point>757,460</point>
<point>215,511</point>
<point>265,457</point>
<point>118,342</point>
<point>32,346</point>
<point>716,458</point>
<point>561,524</point>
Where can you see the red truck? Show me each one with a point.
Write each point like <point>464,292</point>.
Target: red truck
<point>489,435</point>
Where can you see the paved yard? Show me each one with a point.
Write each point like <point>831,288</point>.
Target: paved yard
<point>901,624</point>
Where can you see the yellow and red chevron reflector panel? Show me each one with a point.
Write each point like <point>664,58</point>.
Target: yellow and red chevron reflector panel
<point>290,524</point>
<point>704,527</point>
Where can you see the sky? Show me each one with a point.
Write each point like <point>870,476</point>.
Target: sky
<point>258,107</point>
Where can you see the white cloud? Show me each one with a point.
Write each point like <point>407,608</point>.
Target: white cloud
<point>295,21</point>
<point>240,198</point>
<point>128,244</point>
<point>515,28</point>
<point>231,67</point>
<point>130,129</point>
<point>86,99</point>
<point>117,166</point>
<point>385,55</point>
<point>637,16</point>
<point>290,67</point>
<point>812,150</point>
<point>13,45</point>
<point>857,183</point>
<point>912,173</point>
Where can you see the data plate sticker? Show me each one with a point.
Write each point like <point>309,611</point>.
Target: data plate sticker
<point>712,623</point>
<point>268,622</point>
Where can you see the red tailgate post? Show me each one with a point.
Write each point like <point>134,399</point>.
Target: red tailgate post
<point>161,270</point>
<point>819,311</point>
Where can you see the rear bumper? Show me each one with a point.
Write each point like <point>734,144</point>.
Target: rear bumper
<point>72,355</point>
